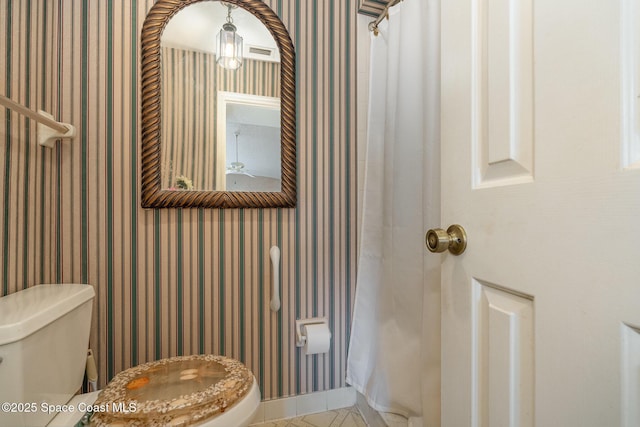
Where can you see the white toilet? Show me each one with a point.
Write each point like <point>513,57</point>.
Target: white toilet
<point>44,334</point>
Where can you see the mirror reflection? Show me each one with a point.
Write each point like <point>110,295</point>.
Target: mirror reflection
<point>250,125</point>
<point>220,92</point>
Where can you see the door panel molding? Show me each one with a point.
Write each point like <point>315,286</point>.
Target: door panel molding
<point>630,375</point>
<point>630,83</point>
<point>503,357</point>
<point>502,85</point>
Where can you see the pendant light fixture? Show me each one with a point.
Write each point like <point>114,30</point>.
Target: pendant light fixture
<point>229,43</point>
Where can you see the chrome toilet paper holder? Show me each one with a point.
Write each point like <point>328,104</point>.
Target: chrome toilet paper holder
<point>301,337</point>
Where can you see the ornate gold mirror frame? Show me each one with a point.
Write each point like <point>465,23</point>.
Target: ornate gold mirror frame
<point>153,196</point>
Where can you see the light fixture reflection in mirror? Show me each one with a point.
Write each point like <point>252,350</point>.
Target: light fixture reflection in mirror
<point>183,154</point>
<point>229,43</point>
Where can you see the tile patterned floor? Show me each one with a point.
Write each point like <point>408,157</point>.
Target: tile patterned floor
<point>394,420</point>
<point>346,417</point>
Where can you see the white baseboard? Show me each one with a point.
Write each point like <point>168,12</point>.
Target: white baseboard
<point>290,407</point>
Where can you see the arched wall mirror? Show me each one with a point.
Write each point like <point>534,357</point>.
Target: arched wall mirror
<point>218,106</point>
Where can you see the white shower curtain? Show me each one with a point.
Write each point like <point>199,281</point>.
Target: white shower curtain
<point>385,360</point>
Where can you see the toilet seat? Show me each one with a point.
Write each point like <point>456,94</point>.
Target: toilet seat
<point>179,391</point>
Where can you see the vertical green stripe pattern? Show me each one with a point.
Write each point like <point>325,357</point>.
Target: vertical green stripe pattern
<point>109,193</point>
<point>133,188</point>
<point>188,281</point>
<point>8,146</point>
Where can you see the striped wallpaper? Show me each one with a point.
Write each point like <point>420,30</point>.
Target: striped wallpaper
<point>194,101</point>
<point>175,281</point>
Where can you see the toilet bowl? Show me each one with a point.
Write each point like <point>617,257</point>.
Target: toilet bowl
<point>44,333</point>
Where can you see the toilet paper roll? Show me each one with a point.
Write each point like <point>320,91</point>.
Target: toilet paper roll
<point>318,338</point>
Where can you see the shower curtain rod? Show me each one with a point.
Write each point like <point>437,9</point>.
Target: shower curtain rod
<point>373,25</point>
<point>48,130</point>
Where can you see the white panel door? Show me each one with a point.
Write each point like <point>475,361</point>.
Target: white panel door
<point>540,142</point>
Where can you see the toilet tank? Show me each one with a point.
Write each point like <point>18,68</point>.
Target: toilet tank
<point>44,335</point>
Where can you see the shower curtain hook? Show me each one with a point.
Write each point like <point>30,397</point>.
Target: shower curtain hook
<point>374,28</point>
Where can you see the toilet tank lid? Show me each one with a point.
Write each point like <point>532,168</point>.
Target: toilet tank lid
<point>23,313</point>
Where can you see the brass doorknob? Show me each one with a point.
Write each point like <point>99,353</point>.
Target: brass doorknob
<point>454,239</point>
